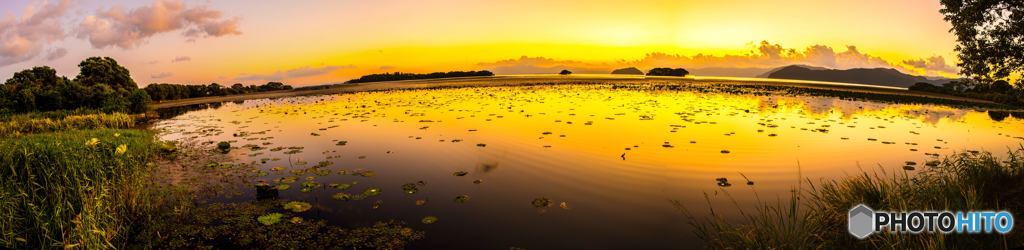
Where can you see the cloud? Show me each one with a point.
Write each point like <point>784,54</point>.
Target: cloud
<point>23,39</point>
<point>181,59</point>
<point>57,53</point>
<point>161,75</point>
<point>534,65</point>
<point>935,65</point>
<point>128,29</point>
<point>300,72</point>
<point>762,57</point>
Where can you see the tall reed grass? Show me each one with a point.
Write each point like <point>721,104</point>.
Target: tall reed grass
<point>815,216</point>
<point>28,124</point>
<point>76,188</point>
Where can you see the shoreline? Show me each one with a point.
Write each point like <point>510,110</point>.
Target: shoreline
<point>523,80</point>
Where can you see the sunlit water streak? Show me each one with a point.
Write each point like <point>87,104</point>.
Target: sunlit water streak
<point>615,157</point>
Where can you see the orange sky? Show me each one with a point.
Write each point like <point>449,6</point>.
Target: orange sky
<point>322,41</point>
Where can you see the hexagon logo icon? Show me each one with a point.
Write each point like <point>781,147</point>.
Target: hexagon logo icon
<point>860,221</point>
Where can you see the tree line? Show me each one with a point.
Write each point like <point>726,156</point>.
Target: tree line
<point>999,91</point>
<point>170,91</point>
<point>397,76</point>
<point>101,84</point>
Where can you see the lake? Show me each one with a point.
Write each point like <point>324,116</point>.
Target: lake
<point>568,166</point>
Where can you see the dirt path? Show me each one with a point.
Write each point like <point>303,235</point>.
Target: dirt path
<point>537,79</point>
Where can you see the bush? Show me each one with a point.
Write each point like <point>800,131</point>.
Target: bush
<point>138,101</point>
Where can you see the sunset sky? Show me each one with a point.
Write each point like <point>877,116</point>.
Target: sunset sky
<point>329,41</point>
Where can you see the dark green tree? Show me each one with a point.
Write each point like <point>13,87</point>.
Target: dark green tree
<point>104,70</point>
<point>990,36</point>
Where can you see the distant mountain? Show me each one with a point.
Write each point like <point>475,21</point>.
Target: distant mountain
<point>730,72</point>
<point>875,76</point>
<point>628,71</point>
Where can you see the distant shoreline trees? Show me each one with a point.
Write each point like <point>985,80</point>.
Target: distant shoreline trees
<point>102,84</point>
<point>680,72</point>
<point>565,72</point>
<point>398,76</point>
<point>170,91</point>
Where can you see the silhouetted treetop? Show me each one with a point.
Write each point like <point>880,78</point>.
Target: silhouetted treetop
<point>990,36</point>
<point>668,72</point>
<point>565,72</point>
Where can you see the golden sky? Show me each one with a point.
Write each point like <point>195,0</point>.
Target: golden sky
<point>326,41</point>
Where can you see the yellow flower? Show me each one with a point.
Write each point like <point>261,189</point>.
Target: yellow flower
<point>117,134</point>
<point>121,149</point>
<point>92,142</point>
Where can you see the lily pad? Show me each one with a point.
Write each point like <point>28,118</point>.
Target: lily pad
<point>340,186</point>
<point>462,198</point>
<point>429,220</point>
<point>541,202</point>
<point>297,206</point>
<point>342,196</point>
<point>410,188</point>
<point>270,219</point>
<point>371,192</point>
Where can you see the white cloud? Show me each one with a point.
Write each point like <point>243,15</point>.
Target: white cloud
<point>128,29</point>
<point>161,75</point>
<point>23,39</point>
<point>57,53</point>
<point>764,56</point>
<point>300,72</point>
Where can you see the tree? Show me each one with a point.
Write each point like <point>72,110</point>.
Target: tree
<point>565,72</point>
<point>104,70</point>
<point>668,72</point>
<point>990,36</point>
<point>138,101</point>
<point>1001,86</point>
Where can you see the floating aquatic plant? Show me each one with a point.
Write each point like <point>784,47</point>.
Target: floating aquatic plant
<point>429,220</point>
<point>270,219</point>
<point>297,206</point>
<point>410,188</point>
<point>541,202</point>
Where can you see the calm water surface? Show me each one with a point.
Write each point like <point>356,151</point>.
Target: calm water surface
<point>610,161</point>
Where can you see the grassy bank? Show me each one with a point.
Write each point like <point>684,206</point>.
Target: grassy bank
<point>72,189</point>
<point>815,215</point>
<point>40,123</point>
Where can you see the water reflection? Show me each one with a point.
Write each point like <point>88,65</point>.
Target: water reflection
<point>482,159</point>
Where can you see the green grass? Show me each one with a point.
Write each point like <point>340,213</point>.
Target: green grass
<point>35,123</point>
<point>815,216</point>
<point>64,189</point>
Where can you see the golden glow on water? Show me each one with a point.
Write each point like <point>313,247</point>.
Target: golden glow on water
<point>616,156</point>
